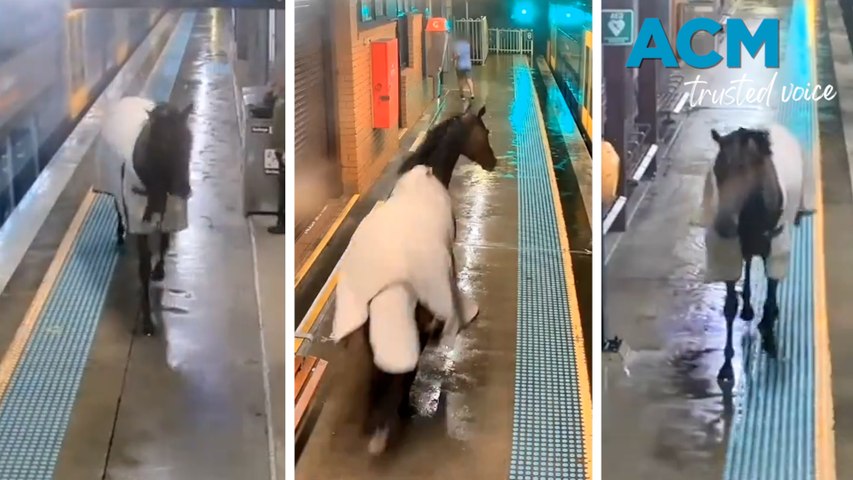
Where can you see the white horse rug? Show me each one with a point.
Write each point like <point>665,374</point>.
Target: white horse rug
<point>399,254</point>
<point>116,176</point>
<point>723,258</point>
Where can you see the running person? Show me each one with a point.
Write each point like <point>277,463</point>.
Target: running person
<point>462,60</point>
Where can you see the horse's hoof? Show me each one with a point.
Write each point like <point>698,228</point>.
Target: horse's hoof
<point>148,329</point>
<point>768,344</point>
<point>747,314</point>
<point>726,376</point>
<point>378,442</point>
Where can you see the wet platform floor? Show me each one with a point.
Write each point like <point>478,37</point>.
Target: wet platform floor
<point>465,401</point>
<point>664,415</point>
<point>189,402</point>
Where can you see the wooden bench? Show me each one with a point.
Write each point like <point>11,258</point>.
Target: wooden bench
<point>309,371</point>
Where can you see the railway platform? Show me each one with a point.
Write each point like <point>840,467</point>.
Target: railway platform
<point>81,396</point>
<point>664,414</point>
<point>513,398</point>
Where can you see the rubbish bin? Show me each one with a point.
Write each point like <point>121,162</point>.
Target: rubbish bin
<point>261,167</point>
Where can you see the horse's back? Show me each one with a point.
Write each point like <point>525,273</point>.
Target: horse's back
<point>403,240</point>
<point>124,122</point>
<point>120,129</point>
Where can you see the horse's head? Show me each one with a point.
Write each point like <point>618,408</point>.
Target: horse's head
<point>742,166</point>
<point>170,144</point>
<point>477,146</point>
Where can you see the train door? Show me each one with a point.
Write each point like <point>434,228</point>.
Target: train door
<point>76,62</point>
<point>122,30</point>
<point>7,189</point>
<point>317,172</point>
<point>19,166</point>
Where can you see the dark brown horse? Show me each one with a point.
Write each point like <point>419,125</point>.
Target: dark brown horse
<point>758,179</point>
<point>150,198</point>
<point>389,397</point>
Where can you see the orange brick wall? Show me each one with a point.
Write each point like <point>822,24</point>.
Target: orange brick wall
<point>415,93</point>
<point>363,150</point>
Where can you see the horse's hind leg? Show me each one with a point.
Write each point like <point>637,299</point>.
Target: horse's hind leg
<point>747,313</point>
<point>726,374</point>
<point>159,272</point>
<point>386,420</point>
<point>768,319</point>
<point>426,332</point>
<point>144,280</point>
<point>120,227</point>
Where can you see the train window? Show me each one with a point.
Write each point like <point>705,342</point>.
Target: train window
<point>6,191</point>
<point>76,55</point>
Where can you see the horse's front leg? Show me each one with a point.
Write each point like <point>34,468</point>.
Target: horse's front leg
<point>120,227</point>
<point>159,272</point>
<point>768,319</point>
<point>155,203</point>
<point>747,313</point>
<point>726,374</point>
<point>145,282</point>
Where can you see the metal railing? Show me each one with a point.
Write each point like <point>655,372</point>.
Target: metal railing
<point>476,30</point>
<point>511,40</point>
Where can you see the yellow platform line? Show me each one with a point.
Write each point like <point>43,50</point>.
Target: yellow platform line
<point>574,311</point>
<point>306,267</point>
<point>12,357</point>
<point>824,408</point>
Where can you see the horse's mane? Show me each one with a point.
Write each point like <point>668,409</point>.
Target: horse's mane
<point>424,154</point>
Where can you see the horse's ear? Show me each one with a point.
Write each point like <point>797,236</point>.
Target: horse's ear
<point>482,111</point>
<point>468,108</point>
<point>185,113</point>
<point>715,135</point>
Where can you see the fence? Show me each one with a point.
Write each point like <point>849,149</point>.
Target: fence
<point>476,30</point>
<point>485,40</point>
<point>511,40</point>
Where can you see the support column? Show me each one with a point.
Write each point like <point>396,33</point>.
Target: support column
<point>619,83</point>
<point>648,75</point>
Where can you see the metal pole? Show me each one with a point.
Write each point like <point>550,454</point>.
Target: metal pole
<point>466,9</point>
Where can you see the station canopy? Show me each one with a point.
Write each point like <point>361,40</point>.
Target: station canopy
<point>259,4</point>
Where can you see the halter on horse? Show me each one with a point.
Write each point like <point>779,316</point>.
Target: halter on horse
<point>143,157</point>
<point>393,306</point>
<point>753,199</point>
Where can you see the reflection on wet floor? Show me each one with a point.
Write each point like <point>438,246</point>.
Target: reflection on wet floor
<point>464,398</point>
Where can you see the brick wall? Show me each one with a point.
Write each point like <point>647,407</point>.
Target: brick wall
<point>363,150</point>
<point>415,93</point>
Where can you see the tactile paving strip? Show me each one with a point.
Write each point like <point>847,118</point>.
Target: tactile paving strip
<point>773,434</point>
<point>36,409</point>
<point>548,430</point>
